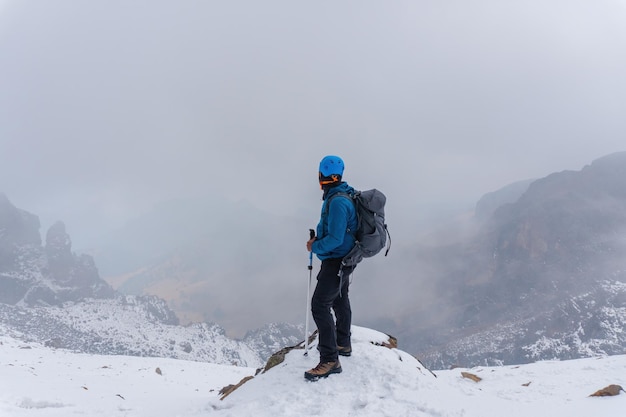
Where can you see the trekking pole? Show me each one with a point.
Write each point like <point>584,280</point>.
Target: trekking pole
<point>308,299</point>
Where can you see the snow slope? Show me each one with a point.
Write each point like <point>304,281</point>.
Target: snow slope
<point>124,325</point>
<point>377,381</point>
<point>39,381</point>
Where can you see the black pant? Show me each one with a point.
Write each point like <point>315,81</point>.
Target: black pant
<point>327,295</point>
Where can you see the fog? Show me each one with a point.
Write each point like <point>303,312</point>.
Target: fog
<point>110,107</point>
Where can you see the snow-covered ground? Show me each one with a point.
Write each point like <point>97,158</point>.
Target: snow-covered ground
<point>376,381</point>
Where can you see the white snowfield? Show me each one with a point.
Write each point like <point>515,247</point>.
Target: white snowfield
<point>376,381</point>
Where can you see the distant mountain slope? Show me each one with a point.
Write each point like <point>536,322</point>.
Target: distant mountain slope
<point>125,325</point>
<point>208,258</point>
<point>542,278</point>
<point>490,202</point>
<point>51,295</point>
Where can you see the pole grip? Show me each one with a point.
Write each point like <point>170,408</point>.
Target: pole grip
<point>311,236</point>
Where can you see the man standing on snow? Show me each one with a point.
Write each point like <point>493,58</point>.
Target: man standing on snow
<point>334,240</point>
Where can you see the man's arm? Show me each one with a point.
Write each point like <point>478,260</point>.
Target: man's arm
<point>338,212</point>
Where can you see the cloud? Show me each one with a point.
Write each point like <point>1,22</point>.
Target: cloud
<point>109,107</point>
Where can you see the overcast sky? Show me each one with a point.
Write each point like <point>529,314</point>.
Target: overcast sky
<point>107,107</point>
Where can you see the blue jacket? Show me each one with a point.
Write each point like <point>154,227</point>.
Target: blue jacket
<point>337,225</point>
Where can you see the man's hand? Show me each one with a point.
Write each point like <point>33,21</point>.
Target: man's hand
<point>309,244</point>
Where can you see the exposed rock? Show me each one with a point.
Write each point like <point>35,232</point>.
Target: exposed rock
<point>227,390</point>
<point>471,376</point>
<point>20,252</point>
<point>78,275</point>
<point>17,227</point>
<point>278,357</point>
<point>58,247</point>
<point>609,391</point>
<point>391,343</point>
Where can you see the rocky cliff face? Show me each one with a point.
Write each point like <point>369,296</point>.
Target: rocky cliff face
<point>32,274</point>
<point>51,295</point>
<point>543,278</point>
<point>19,233</point>
<point>76,273</point>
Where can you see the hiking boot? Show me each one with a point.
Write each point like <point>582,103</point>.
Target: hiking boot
<point>322,370</point>
<point>344,350</point>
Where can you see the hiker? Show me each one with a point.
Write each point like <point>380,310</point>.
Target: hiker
<point>332,243</point>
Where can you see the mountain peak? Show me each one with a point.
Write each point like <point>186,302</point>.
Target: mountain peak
<point>17,227</point>
<point>614,159</point>
<point>31,274</point>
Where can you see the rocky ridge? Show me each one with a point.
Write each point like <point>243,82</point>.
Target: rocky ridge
<point>543,278</point>
<point>49,294</point>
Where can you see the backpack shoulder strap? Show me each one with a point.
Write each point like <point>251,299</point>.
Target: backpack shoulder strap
<point>339,194</point>
<point>352,198</point>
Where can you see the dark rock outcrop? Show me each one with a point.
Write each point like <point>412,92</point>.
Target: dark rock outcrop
<point>543,278</point>
<point>76,274</point>
<point>31,274</point>
<point>18,230</point>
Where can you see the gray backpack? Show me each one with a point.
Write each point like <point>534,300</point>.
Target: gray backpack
<point>371,233</point>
